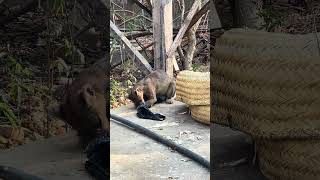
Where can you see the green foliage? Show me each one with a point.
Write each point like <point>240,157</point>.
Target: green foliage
<point>19,87</point>
<point>116,90</point>
<point>67,48</point>
<point>133,23</point>
<point>196,67</point>
<point>16,70</point>
<point>60,66</point>
<point>7,112</point>
<point>18,74</point>
<point>58,7</point>
<point>272,18</point>
<point>128,83</point>
<point>16,87</point>
<point>42,90</point>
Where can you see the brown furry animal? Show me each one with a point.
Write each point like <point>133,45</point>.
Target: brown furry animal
<point>84,107</point>
<point>156,87</point>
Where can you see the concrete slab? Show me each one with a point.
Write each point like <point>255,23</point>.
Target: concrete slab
<point>57,158</point>
<point>134,156</point>
<point>231,146</point>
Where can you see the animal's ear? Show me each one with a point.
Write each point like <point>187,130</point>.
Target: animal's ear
<point>87,94</point>
<point>138,90</point>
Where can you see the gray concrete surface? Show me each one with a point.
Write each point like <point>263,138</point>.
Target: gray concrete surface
<point>134,156</point>
<point>229,148</point>
<point>57,158</point>
<point>137,157</point>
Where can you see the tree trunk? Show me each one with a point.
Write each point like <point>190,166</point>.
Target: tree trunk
<point>192,41</point>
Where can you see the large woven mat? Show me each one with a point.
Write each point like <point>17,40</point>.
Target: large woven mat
<point>290,159</point>
<point>201,113</point>
<point>193,88</point>
<point>267,85</point>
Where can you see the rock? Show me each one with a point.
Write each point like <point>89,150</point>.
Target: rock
<point>17,135</point>
<point>3,140</point>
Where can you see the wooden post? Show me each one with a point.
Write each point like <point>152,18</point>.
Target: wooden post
<point>162,34</point>
<point>173,47</point>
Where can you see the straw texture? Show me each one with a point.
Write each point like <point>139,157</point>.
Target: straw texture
<point>255,38</point>
<point>290,159</point>
<point>267,84</point>
<point>201,113</point>
<point>193,88</point>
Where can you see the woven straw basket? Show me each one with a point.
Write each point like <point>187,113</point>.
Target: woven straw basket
<point>255,38</point>
<point>271,90</point>
<point>201,113</point>
<point>193,88</point>
<point>290,159</point>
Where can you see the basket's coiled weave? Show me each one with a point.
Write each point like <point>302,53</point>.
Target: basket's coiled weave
<point>193,88</point>
<point>268,85</point>
<point>267,91</point>
<point>201,113</point>
<point>290,159</point>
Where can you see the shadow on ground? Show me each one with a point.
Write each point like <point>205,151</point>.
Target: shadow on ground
<point>230,147</point>
<point>56,158</point>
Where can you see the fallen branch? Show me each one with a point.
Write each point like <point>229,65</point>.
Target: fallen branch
<point>143,48</point>
<point>126,41</point>
<point>135,17</point>
<point>133,35</point>
<point>143,7</point>
<point>199,15</point>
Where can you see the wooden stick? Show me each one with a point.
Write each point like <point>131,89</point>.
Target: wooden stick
<point>143,7</point>
<point>199,15</point>
<point>133,35</point>
<point>126,41</point>
<point>181,33</point>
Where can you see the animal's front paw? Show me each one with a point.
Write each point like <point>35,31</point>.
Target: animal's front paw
<point>169,101</point>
